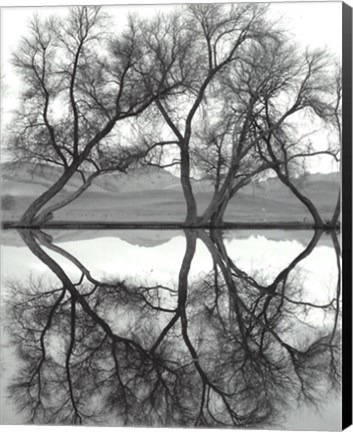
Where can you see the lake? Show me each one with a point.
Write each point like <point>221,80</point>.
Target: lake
<point>234,328</point>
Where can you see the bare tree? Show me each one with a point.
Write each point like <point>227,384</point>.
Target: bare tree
<point>335,117</point>
<point>79,81</point>
<point>222,34</point>
<point>288,149</point>
<point>220,81</point>
<point>260,311</point>
<point>273,77</point>
<point>224,127</point>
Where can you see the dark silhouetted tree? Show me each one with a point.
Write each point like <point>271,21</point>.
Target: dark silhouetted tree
<point>81,80</point>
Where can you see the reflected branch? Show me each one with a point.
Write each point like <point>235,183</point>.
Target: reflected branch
<point>110,352</point>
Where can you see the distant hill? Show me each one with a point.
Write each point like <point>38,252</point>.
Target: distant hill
<point>311,179</point>
<point>155,195</point>
<point>23,180</point>
<point>147,178</point>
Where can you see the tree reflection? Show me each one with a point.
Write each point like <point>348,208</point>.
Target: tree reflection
<point>220,351</point>
<point>264,320</point>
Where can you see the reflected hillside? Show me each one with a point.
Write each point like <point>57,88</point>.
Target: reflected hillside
<point>152,237</point>
<point>214,346</point>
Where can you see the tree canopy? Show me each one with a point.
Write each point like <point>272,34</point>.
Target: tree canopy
<point>218,90</point>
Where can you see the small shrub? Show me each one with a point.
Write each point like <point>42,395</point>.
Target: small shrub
<point>7,202</point>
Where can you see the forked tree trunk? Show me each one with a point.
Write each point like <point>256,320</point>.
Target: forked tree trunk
<point>45,214</point>
<point>214,214</point>
<point>220,198</point>
<point>29,216</point>
<point>29,239</point>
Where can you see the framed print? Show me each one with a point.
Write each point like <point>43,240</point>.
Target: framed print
<point>176,211</point>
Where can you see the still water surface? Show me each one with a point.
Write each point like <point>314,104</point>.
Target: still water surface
<point>171,328</point>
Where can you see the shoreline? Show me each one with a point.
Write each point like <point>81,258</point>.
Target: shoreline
<point>164,225</point>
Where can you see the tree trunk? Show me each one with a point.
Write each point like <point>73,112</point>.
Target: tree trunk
<point>337,212</point>
<point>219,198</point>
<point>218,215</point>
<point>221,260</point>
<point>29,239</point>
<point>45,214</point>
<point>191,207</point>
<point>302,198</point>
<point>28,218</point>
<point>191,237</point>
<point>318,223</point>
<point>215,211</point>
<point>283,275</point>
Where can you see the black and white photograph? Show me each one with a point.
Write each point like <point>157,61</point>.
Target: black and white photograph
<point>171,215</point>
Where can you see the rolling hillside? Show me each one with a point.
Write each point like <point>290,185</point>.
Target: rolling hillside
<point>24,181</point>
<point>155,195</point>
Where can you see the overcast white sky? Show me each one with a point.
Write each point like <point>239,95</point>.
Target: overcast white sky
<point>313,24</point>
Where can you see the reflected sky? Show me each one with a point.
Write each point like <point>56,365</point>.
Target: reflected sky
<point>247,263</point>
<point>160,263</point>
<point>112,255</point>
